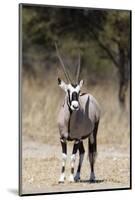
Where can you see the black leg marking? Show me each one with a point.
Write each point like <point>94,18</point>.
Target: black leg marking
<point>75,147</point>
<point>63,169</point>
<point>81,153</point>
<point>81,148</point>
<point>81,156</point>
<point>72,170</point>
<point>64,145</point>
<point>92,144</point>
<point>74,151</point>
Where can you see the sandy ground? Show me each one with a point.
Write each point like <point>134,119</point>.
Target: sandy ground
<point>41,166</point>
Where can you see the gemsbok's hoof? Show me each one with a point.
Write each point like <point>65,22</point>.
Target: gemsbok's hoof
<point>71,179</point>
<point>92,177</point>
<point>62,179</point>
<point>77,177</point>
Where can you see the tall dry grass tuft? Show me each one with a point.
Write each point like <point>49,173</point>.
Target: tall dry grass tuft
<point>41,102</point>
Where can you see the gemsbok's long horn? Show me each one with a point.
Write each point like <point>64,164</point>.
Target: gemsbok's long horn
<point>62,64</point>
<point>78,69</point>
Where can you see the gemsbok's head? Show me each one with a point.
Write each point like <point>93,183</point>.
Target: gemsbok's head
<point>71,89</point>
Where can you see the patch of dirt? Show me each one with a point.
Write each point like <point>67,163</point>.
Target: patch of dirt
<point>41,166</point>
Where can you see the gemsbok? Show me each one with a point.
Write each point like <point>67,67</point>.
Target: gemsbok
<point>78,119</point>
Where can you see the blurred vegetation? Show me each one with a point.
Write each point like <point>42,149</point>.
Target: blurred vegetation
<point>101,36</point>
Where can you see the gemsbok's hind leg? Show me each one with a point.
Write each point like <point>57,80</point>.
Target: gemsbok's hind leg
<point>73,157</point>
<point>92,142</point>
<point>64,158</point>
<point>81,157</point>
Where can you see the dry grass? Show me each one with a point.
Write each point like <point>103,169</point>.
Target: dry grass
<point>41,103</point>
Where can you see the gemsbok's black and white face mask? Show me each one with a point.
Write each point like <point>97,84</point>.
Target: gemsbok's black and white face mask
<point>72,92</point>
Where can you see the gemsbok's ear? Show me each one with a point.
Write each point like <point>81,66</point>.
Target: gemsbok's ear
<point>81,83</point>
<point>62,84</point>
<point>59,81</point>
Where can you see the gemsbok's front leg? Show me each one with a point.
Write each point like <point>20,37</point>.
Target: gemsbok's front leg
<point>81,157</point>
<point>73,157</point>
<point>64,158</point>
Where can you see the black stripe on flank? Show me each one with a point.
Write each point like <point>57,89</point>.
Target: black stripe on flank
<point>83,94</point>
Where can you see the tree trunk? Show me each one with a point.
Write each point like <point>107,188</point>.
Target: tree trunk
<point>123,76</point>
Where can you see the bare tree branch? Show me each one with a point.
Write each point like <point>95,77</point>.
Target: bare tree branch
<point>106,49</point>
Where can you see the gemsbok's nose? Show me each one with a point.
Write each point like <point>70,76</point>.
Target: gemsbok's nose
<point>75,107</point>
